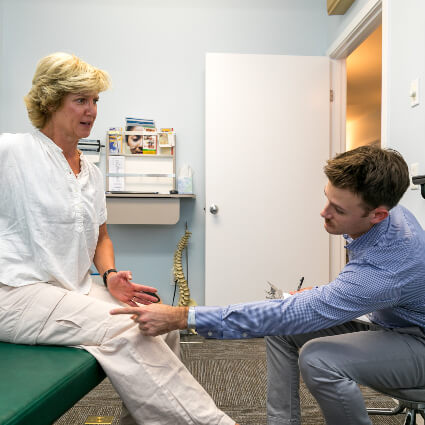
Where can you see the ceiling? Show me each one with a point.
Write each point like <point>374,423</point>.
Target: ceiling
<point>364,69</point>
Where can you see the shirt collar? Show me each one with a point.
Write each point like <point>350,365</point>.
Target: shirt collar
<point>47,141</point>
<point>370,237</point>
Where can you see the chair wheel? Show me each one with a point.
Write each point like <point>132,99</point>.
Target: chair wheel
<point>410,418</point>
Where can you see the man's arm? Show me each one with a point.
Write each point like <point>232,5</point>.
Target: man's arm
<point>338,302</point>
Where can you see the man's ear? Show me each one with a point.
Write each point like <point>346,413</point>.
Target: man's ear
<point>379,214</point>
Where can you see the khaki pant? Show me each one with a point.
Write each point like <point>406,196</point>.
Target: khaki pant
<point>154,385</point>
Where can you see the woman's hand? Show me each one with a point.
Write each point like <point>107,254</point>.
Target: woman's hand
<point>121,288</point>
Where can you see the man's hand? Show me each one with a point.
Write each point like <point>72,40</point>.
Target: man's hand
<point>156,319</point>
<point>120,287</point>
<point>301,290</point>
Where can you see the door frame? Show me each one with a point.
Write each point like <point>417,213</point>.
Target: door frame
<point>373,14</point>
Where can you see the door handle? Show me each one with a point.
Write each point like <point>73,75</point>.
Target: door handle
<point>213,209</point>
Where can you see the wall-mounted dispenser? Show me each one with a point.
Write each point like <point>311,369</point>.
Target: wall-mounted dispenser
<point>420,180</point>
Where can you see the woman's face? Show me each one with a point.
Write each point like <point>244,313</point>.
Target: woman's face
<point>135,142</point>
<point>76,115</point>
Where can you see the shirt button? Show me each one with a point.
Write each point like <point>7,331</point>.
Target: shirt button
<point>244,334</point>
<point>209,333</point>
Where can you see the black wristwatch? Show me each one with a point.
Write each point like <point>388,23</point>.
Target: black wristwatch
<point>105,275</point>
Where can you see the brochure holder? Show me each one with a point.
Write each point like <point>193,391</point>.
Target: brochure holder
<point>140,162</point>
<point>141,177</point>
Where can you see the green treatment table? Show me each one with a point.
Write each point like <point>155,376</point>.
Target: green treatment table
<point>38,384</point>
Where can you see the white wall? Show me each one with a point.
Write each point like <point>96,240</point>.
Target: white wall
<point>155,53</point>
<point>406,125</point>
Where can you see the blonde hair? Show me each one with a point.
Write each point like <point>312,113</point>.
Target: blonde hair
<point>56,76</point>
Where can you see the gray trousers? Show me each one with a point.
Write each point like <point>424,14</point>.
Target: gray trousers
<point>333,362</point>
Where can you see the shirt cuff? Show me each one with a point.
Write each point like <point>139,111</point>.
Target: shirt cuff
<point>191,318</point>
<point>209,321</point>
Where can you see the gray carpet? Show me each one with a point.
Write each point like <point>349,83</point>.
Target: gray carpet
<point>234,373</point>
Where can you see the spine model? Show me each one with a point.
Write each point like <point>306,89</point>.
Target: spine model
<point>179,278</point>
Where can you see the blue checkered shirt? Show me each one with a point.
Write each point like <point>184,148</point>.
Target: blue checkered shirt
<point>384,278</point>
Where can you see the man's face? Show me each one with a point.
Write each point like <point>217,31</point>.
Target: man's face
<point>345,213</point>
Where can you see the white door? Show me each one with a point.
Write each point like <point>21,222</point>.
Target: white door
<point>267,140</point>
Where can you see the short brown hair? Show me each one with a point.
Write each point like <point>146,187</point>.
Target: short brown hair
<point>57,75</point>
<point>379,176</point>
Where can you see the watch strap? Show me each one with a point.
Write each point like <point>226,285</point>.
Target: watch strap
<point>105,275</point>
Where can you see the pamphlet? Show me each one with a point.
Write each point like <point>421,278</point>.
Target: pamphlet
<point>116,166</point>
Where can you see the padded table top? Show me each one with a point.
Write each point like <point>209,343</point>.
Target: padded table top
<point>39,383</point>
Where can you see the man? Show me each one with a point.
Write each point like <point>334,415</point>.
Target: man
<point>317,331</point>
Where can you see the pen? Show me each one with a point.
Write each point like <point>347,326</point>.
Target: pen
<point>301,283</point>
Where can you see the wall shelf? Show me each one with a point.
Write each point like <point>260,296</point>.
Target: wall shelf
<point>141,193</point>
<point>150,156</point>
<point>132,208</point>
<point>149,195</point>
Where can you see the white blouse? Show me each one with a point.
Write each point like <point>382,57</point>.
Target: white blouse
<point>49,218</point>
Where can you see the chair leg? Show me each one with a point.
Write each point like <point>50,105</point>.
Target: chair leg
<point>410,418</point>
<point>386,411</point>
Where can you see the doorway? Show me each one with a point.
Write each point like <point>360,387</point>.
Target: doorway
<point>364,89</point>
<point>366,21</point>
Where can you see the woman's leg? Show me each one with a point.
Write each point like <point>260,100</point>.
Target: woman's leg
<point>150,379</point>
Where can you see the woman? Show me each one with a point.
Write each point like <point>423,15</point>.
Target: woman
<point>52,227</point>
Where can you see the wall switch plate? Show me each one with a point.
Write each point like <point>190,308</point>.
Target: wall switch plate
<point>414,92</point>
<point>414,171</point>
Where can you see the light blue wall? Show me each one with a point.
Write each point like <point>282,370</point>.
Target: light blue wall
<point>406,129</point>
<point>338,23</point>
<point>155,53</point>
<point>155,50</point>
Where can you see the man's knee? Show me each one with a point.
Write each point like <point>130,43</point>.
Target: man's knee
<point>319,362</point>
<point>280,343</point>
<point>311,360</point>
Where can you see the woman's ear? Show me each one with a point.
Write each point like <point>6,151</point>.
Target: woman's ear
<point>379,214</point>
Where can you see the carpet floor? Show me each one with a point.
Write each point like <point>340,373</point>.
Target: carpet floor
<point>234,374</point>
